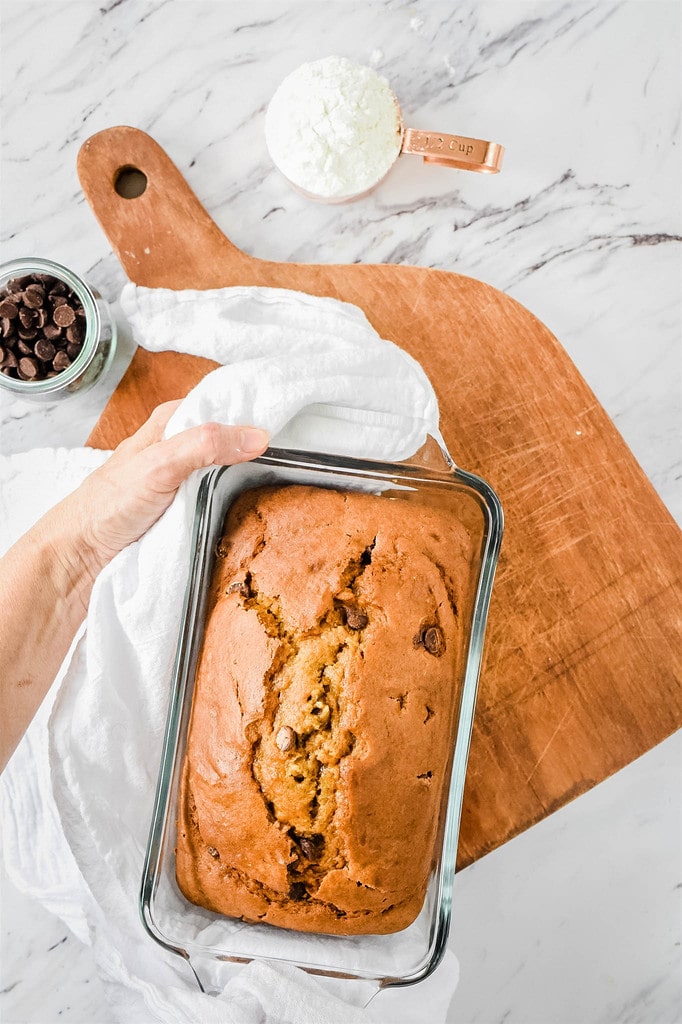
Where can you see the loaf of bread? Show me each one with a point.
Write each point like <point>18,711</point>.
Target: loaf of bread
<point>322,719</point>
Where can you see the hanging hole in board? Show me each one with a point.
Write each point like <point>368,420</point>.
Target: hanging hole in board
<point>130,182</point>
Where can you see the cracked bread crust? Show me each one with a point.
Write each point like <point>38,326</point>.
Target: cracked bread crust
<point>322,717</point>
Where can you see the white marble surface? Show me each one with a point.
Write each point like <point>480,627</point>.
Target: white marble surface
<point>578,920</point>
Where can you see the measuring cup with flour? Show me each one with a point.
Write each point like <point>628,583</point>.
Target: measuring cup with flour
<point>334,129</point>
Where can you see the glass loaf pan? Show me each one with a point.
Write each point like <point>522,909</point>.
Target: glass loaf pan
<point>206,939</point>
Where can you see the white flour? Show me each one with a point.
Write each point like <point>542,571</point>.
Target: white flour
<point>333,128</point>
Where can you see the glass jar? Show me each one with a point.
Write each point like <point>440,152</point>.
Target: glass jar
<point>98,345</point>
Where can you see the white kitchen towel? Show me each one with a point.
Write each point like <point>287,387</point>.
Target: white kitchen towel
<point>315,374</point>
<point>310,370</point>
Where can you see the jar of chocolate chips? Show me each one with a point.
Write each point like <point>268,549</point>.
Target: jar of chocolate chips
<point>56,333</point>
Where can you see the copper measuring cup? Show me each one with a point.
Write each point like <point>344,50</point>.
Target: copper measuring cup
<point>449,150</point>
<point>453,150</point>
<point>458,151</point>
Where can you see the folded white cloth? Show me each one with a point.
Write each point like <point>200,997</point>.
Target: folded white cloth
<point>312,371</point>
<point>77,796</point>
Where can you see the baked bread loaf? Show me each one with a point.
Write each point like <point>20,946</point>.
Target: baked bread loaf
<point>322,719</point>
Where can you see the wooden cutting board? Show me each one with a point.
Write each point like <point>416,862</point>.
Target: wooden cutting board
<point>582,671</point>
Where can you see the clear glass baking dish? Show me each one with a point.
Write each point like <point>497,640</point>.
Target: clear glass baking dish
<point>209,941</point>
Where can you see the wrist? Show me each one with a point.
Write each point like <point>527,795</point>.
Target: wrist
<point>70,563</point>
<point>46,579</point>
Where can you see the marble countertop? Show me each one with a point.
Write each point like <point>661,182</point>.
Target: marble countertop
<point>578,920</point>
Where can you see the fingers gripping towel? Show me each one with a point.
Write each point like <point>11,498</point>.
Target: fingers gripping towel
<point>316,375</point>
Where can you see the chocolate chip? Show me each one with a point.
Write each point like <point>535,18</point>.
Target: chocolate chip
<point>239,587</point>
<point>61,361</point>
<point>28,368</point>
<point>355,617</point>
<point>45,350</point>
<point>27,317</point>
<point>34,296</point>
<point>213,852</point>
<point>47,280</point>
<point>286,738</point>
<point>63,315</point>
<point>298,891</point>
<point>17,284</point>
<point>38,323</point>
<point>311,847</point>
<point>434,641</point>
<point>74,333</point>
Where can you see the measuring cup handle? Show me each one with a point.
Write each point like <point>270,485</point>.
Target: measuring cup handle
<point>454,151</point>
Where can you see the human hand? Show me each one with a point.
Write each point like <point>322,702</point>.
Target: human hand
<point>118,503</point>
<point>47,576</point>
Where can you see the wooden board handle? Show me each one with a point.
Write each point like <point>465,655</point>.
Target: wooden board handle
<point>160,235</point>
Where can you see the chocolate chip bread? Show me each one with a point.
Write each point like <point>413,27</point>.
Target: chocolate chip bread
<point>322,718</point>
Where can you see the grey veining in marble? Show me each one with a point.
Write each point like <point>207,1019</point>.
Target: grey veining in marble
<point>574,922</point>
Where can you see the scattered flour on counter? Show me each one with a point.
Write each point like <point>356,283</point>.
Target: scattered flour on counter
<point>333,128</point>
